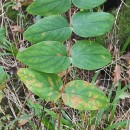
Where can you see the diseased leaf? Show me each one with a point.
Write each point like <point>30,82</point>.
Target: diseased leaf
<point>52,28</point>
<point>87,4</point>
<point>89,55</point>
<point>47,56</point>
<point>49,7</point>
<point>82,95</point>
<point>92,24</point>
<point>3,78</point>
<point>46,86</point>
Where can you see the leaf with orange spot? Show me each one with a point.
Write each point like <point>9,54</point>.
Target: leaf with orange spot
<point>82,95</point>
<point>89,55</point>
<point>46,86</point>
<point>46,56</point>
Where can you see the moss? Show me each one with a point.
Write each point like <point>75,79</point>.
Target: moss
<point>124,23</point>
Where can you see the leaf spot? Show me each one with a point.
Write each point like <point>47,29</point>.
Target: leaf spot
<point>103,57</point>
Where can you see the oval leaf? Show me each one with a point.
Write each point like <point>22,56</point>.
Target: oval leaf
<point>82,95</point>
<point>49,57</point>
<point>52,28</point>
<point>89,55</point>
<point>46,86</point>
<point>87,4</point>
<point>92,24</point>
<point>49,7</point>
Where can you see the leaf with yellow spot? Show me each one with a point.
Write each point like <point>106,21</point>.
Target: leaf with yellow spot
<point>52,28</point>
<point>46,56</point>
<point>46,86</point>
<point>91,24</point>
<point>89,55</point>
<point>82,95</point>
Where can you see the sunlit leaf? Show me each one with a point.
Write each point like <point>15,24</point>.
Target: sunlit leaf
<point>89,55</point>
<point>46,86</point>
<point>52,28</point>
<point>92,24</point>
<point>47,56</point>
<point>82,95</point>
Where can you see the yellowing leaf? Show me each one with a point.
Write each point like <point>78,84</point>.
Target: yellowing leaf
<point>82,95</point>
<point>46,86</point>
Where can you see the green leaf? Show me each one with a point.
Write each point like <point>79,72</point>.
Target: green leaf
<point>92,24</point>
<point>38,108</point>
<point>52,28</point>
<point>82,95</point>
<point>2,34</point>
<point>3,78</point>
<point>87,4</point>
<point>89,55</point>
<point>46,86</point>
<point>47,56</point>
<point>49,7</point>
<point>117,125</point>
<point>46,122</point>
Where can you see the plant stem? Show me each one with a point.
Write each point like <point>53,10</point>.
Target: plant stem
<point>61,102</point>
<point>125,46</point>
<point>65,78</point>
<point>20,112</point>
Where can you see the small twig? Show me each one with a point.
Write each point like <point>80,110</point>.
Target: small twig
<point>125,4</point>
<point>20,112</point>
<point>118,10</point>
<point>114,62</point>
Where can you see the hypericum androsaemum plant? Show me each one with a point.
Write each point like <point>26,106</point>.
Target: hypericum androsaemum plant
<point>50,56</point>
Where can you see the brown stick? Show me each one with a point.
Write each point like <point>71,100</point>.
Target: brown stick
<point>20,112</point>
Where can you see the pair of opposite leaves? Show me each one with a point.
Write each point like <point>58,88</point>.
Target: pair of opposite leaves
<point>78,94</point>
<point>52,56</point>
